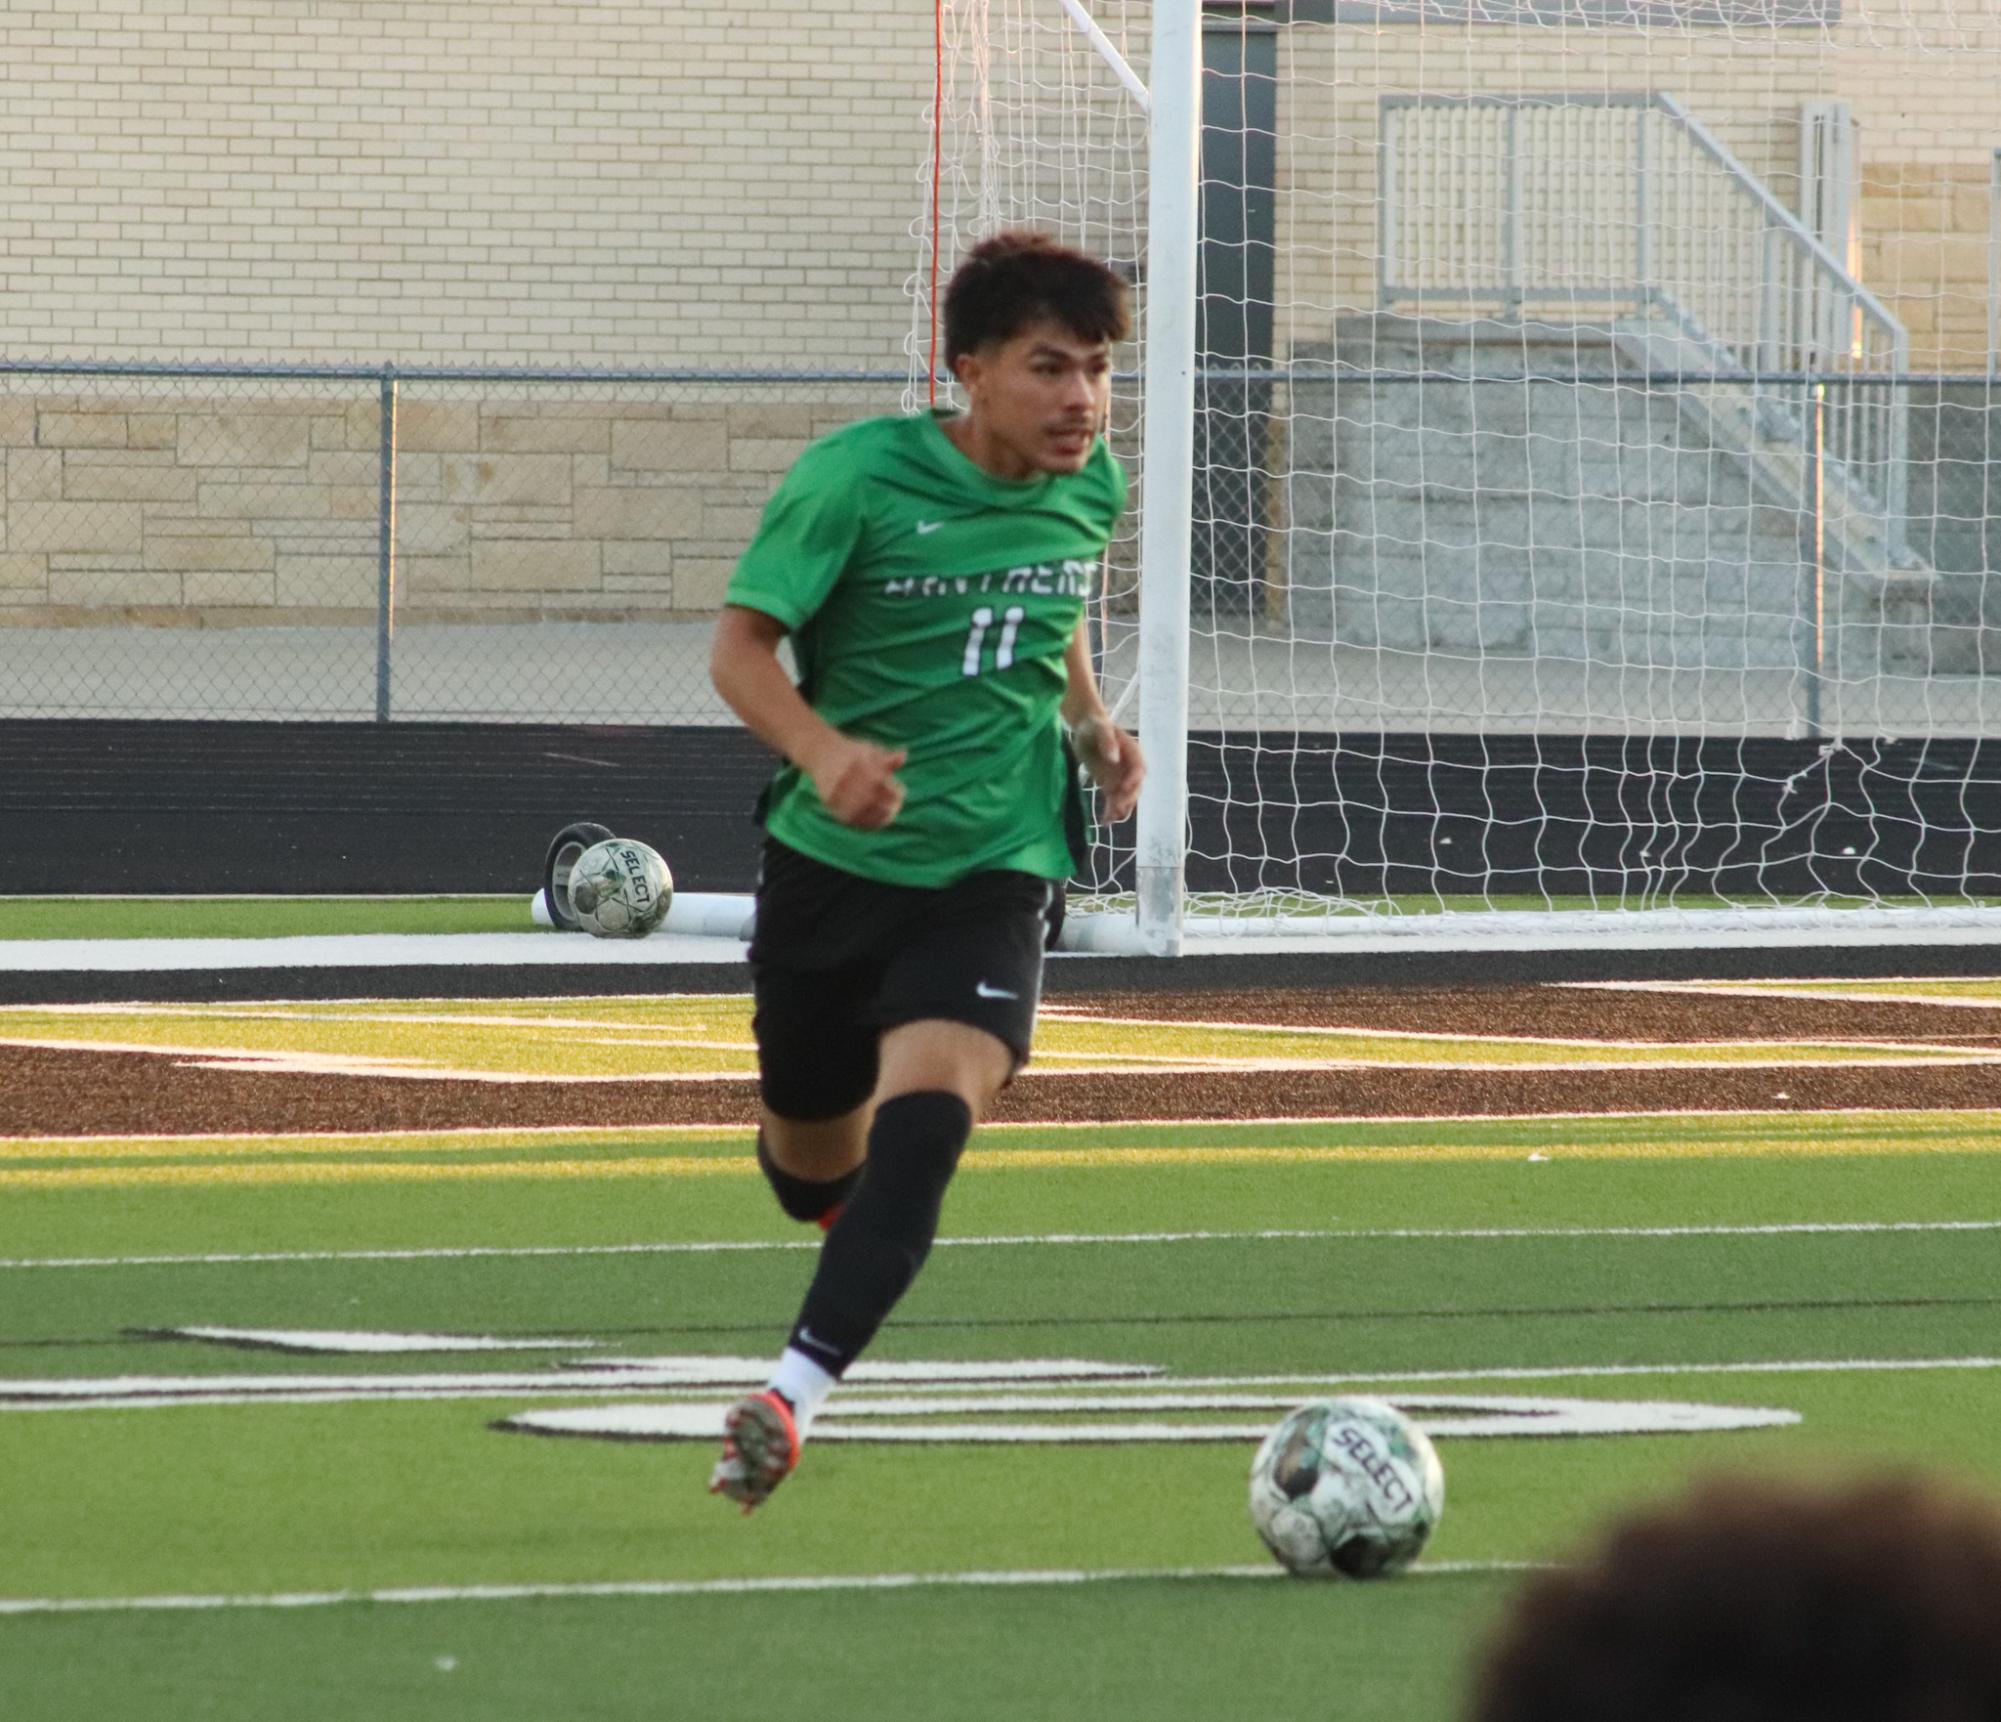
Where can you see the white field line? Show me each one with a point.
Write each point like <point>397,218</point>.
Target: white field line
<point>1807,990</point>
<point>255,896</point>
<point>1120,1129</point>
<point>306,1016</point>
<point>1885,1056</point>
<point>1597,1372</point>
<point>1892,1058</point>
<point>700,1587</point>
<point>596,1378</point>
<point>115,1007</point>
<point>651,1038</point>
<point>345,1013</point>
<point>589,1031</point>
<point>497,1133</point>
<point>219,1054</point>
<point>282,1063</point>
<point>477,1252</point>
<point>583,1032</point>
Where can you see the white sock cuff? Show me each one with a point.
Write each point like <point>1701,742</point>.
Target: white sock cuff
<point>804,1383</point>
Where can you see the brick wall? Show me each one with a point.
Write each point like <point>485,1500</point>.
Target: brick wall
<point>555,182</point>
<point>525,181</point>
<point>560,181</point>
<point>1920,78</point>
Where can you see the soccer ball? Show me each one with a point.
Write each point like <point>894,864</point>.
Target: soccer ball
<point>620,889</point>
<point>1346,1488</point>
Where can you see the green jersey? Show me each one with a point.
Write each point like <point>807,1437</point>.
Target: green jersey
<point>930,605</point>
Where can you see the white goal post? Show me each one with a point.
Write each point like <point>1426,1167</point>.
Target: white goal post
<point>1566,456</point>
<point>1166,522</point>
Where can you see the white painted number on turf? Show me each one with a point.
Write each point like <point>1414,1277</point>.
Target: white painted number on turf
<point>983,619</point>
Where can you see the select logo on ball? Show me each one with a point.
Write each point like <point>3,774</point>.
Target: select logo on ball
<point>620,889</point>
<point>1346,1488</point>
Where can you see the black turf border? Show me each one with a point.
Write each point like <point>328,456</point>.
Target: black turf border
<point>1235,972</point>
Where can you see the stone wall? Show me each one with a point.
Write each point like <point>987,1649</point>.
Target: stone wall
<point>562,182</point>
<point>173,506</point>
<point>1616,526</point>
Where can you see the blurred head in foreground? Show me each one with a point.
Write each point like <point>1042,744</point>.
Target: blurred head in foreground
<point>1760,1601</point>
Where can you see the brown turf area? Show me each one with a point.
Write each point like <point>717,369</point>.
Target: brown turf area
<point>1562,1012</point>
<point>77,1092</point>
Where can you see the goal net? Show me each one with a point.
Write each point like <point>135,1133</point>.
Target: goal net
<point>1595,502</point>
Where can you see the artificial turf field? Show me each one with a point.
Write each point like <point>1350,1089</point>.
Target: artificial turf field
<point>228,1530</point>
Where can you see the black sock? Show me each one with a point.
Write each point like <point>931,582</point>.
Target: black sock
<point>804,1198</point>
<point>881,1240</point>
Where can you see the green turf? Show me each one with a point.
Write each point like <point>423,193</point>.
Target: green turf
<point>249,1500</point>
<point>280,1498</point>
<point>1141,1651</point>
<point>1268,1305</point>
<point>257,917</point>
<point>1668,1171</point>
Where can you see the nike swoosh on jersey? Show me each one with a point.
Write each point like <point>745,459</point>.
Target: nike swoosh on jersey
<point>926,527</point>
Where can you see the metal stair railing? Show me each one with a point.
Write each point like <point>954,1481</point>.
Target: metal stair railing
<point>1627,202</point>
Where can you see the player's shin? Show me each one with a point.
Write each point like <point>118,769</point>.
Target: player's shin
<point>880,1241</point>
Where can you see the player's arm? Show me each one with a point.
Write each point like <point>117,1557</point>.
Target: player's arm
<point>1107,752</point>
<point>855,780</point>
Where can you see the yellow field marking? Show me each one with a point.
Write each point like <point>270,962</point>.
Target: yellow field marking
<point>386,1141</point>
<point>332,1171</point>
<point>587,1011</point>
<point>242,1173</point>
<point>1852,1121</point>
<point>282,1061</point>
<point>1455,1037</point>
<point>382,1049</point>
<point>15,1149</point>
<point>335,1013</point>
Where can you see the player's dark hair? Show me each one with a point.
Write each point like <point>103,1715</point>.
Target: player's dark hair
<point>1757,1599</point>
<point>1021,277</point>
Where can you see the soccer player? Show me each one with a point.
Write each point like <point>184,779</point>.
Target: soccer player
<point>931,572</point>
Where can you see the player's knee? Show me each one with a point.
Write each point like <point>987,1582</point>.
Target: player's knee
<point>947,1059</point>
<point>813,1091</point>
<point>805,1198</point>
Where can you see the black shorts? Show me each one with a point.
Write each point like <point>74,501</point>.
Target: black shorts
<point>836,960</point>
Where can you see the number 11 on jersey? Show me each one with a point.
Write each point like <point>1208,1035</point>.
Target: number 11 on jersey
<point>983,619</point>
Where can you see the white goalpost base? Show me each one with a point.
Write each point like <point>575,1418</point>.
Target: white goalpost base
<point>1475,932</point>
<point>712,916</point>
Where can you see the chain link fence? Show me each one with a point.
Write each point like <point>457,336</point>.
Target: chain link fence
<point>317,543</point>
<point>515,545</point>
<point>1955,506</point>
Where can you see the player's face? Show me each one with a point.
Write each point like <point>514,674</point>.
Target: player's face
<point>1040,399</point>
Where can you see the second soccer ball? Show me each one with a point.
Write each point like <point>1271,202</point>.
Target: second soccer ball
<point>620,889</point>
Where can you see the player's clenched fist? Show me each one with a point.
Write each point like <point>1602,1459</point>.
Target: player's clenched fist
<point>1114,761</point>
<point>857,782</point>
